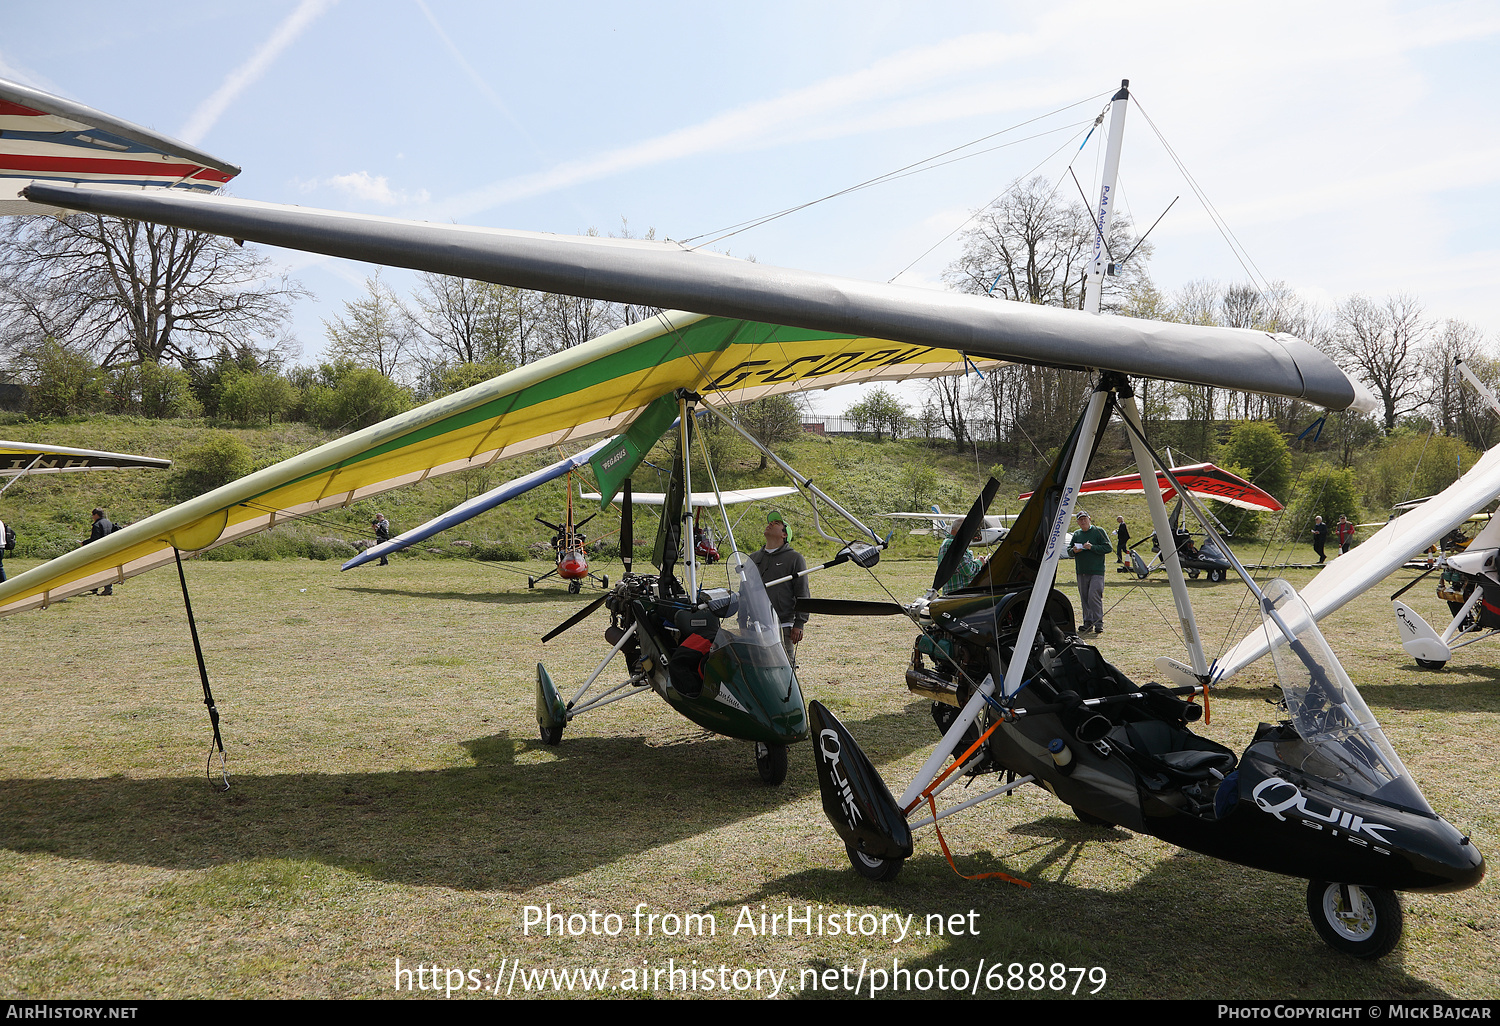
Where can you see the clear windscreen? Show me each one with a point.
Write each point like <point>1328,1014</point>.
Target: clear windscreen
<point>1327,710</point>
<point>753,629</point>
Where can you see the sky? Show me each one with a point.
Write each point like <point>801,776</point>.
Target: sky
<point>1349,148</point>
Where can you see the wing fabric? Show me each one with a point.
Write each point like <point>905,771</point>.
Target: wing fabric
<point>18,458</point>
<point>1348,576</point>
<point>1203,480</point>
<point>581,393</point>
<point>47,138</point>
<point>477,505</point>
<point>666,274</point>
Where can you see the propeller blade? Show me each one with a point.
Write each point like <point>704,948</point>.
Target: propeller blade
<point>849,607</point>
<point>576,618</point>
<point>966,531</point>
<point>627,528</point>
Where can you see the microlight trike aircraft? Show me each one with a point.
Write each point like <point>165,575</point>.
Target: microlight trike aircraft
<point>714,654</point>
<point>1320,795</point>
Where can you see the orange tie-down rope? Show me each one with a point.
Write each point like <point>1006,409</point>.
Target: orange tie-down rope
<point>932,804</point>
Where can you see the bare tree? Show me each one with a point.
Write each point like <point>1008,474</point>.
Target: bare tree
<point>128,292</point>
<point>463,319</point>
<point>1456,409</point>
<point>1382,344</point>
<point>374,332</point>
<point>1031,247</point>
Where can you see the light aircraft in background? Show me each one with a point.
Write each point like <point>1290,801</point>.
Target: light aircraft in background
<point>990,532</point>
<point>1004,645</point>
<point>705,543</point>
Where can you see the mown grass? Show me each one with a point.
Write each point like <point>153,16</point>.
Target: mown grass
<point>391,800</point>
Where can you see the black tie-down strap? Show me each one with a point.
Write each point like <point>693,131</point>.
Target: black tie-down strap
<point>208,695</point>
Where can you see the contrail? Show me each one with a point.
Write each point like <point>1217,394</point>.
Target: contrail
<point>237,81</point>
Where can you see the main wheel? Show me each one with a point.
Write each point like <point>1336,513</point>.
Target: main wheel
<point>1192,575</point>
<point>770,761</point>
<point>1431,664</point>
<point>870,867</point>
<point>531,582</point>
<point>604,581</point>
<point>1361,921</point>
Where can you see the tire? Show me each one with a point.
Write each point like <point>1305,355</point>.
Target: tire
<point>770,762</point>
<point>531,582</point>
<point>872,868</point>
<point>1090,818</point>
<point>1192,575</point>
<point>604,581</point>
<point>1431,664</point>
<point>1216,576</point>
<point>1369,930</point>
<point>574,587</point>
<point>550,735</point>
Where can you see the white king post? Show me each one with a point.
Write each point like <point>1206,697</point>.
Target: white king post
<point>1093,296</point>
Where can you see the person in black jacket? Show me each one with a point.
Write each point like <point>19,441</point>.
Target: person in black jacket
<point>1320,538</point>
<point>382,534</point>
<point>1122,540</point>
<point>100,529</point>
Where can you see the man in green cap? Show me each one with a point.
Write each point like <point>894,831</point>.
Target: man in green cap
<point>777,560</point>
<point>1088,546</point>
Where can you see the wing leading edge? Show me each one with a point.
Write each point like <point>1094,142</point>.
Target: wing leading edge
<point>47,138</point>
<point>666,274</point>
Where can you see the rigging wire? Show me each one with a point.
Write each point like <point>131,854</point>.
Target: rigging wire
<point>901,172</point>
<point>1241,254</point>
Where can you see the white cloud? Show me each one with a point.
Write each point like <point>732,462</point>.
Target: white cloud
<point>367,188</point>
<point>243,77</point>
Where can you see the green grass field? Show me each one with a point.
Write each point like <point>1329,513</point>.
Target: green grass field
<point>391,801</point>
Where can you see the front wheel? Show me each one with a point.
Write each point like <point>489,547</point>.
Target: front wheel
<point>1216,576</point>
<point>574,587</point>
<point>770,762</point>
<point>1364,922</point>
<point>551,735</point>
<point>1431,664</point>
<point>870,867</point>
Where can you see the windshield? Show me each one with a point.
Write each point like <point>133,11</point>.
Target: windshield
<point>753,629</point>
<point>1326,709</point>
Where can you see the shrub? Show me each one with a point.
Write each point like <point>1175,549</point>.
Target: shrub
<point>217,460</point>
